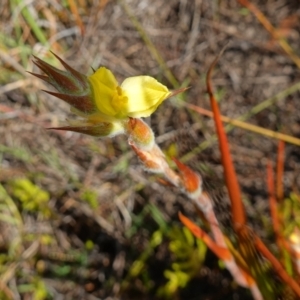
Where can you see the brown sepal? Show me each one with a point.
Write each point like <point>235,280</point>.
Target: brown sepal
<point>43,77</point>
<point>61,78</point>
<point>103,129</point>
<point>76,74</point>
<point>82,103</point>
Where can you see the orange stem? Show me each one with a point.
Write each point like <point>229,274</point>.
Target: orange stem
<point>280,170</point>
<point>220,252</point>
<point>238,213</point>
<point>273,204</point>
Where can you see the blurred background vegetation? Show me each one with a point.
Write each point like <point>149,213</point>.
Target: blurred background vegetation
<point>79,217</point>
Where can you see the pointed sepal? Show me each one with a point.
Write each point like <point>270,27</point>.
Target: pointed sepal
<point>82,103</point>
<point>178,91</point>
<point>104,129</point>
<point>81,77</point>
<point>61,80</point>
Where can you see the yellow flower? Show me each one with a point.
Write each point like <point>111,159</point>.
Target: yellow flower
<point>136,97</point>
<point>104,105</point>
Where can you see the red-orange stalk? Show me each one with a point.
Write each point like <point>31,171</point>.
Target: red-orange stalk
<point>238,213</point>
<point>273,204</point>
<point>280,170</point>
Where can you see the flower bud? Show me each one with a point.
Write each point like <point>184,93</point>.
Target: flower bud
<point>140,134</point>
<point>153,160</point>
<point>191,181</point>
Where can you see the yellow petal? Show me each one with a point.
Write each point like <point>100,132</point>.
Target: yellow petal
<point>104,85</point>
<point>143,113</point>
<point>144,94</point>
<point>106,77</point>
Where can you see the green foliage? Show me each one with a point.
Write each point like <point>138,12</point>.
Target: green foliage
<point>139,220</point>
<point>290,213</point>
<point>32,22</point>
<point>139,264</point>
<point>219,94</point>
<point>189,254</point>
<point>122,165</point>
<point>36,288</point>
<point>170,152</point>
<point>19,153</point>
<point>9,212</point>
<point>89,245</point>
<point>32,197</point>
<point>244,11</point>
<point>44,239</point>
<point>91,197</point>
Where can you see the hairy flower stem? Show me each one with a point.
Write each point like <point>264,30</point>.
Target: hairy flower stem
<point>141,139</point>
